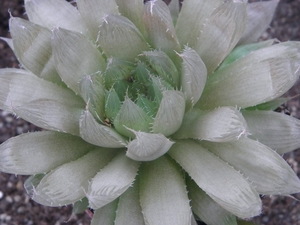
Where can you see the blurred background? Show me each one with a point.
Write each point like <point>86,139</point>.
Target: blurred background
<point>16,208</point>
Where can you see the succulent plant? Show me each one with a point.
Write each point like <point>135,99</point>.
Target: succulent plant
<point>152,113</point>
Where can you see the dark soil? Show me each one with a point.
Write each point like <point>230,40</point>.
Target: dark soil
<point>16,208</point>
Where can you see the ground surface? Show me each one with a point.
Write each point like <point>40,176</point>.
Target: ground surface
<point>17,209</point>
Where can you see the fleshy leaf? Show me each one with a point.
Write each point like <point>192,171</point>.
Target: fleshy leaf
<point>170,113</point>
<point>129,208</point>
<point>222,31</point>
<point>265,169</point>
<point>80,206</point>
<point>220,181</point>
<point>8,41</point>
<point>163,65</point>
<point>133,10</point>
<point>106,215</point>
<point>112,104</point>
<point>74,61</point>
<point>54,188</point>
<point>159,27</point>
<point>220,125</point>
<point>133,117</point>
<point>51,115</point>
<point>260,15</point>
<point>261,76</point>
<point>93,92</point>
<point>98,134</point>
<point>243,50</point>
<point>18,87</point>
<point>118,32</point>
<point>93,13</point>
<point>174,10</point>
<point>206,208</point>
<point>32,47</point>
<point>278,131</point>
<point>39,152</point>
<point>147,146</point>
<point>112,181</point>
<point>192,17</point>
<point>193,77</point>
<point>66,15</point>
<point>163,195</point>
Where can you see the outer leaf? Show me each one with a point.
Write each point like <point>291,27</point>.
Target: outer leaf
<point>260,15</point>
<point>133,10</point>
<point>33,48</point>
<point>51,115</point>
<point>80,206</point>
<point>98,134</point>
<point>18,87</point>
<point>147,146</point>
<point>192,17</point>
<point>54,188</point>
<point>118,32</point>
<point>266,170</point>
<point>93,13</point>
<point>133,117</point>
<point>39,152</point>
<point>174,8</point>
<point>74,60</point>
<point>261,76</point>
<point>106,215</point>
<point>66,15</point>
<point>221,182</point>
<point>193,77</point>
<point>159,27</point>
<point>129,208</point>
<point>222,31</point>
<point>112,181</point>
<point>206,208</point>
<point>220,125</point>
<point>170,113</point>
<point>162,193</point>
<point>276,130</point>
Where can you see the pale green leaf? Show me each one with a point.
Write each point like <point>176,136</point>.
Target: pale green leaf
<point>112,104</point>
<point>93,13</point>
<point>73,60</point>
<point>93,92</point>
<point>206,208</point>
<point>278,131</point>
<point>265,169</point>
<point>51,115</point>
<point>133,117</point>
<point>55,13</point>
<point>133,10</point>
<point>39,152</point>
<point>260,15</point>
<point>220,181</point>
<point>170,113</point>
<point>54,188</point>
<point>147,146</point>
<point>159,27</point>
<point>163,195</point>
<point>192,17</point>
<point>98,134</point>
<point>112,181</point>
<point>119,33</point>
<point>129,208</point>
<point>32,47</point>
<point>259,77</point>
<point>106,215</point>
<point>220,125</point>
<point>163,65</point>
<point>193,76</point>
<point>80,206</point>
<point>222,31</point>
<point>8,41</point>
<point>174,8</point>
<point>18,87</point>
